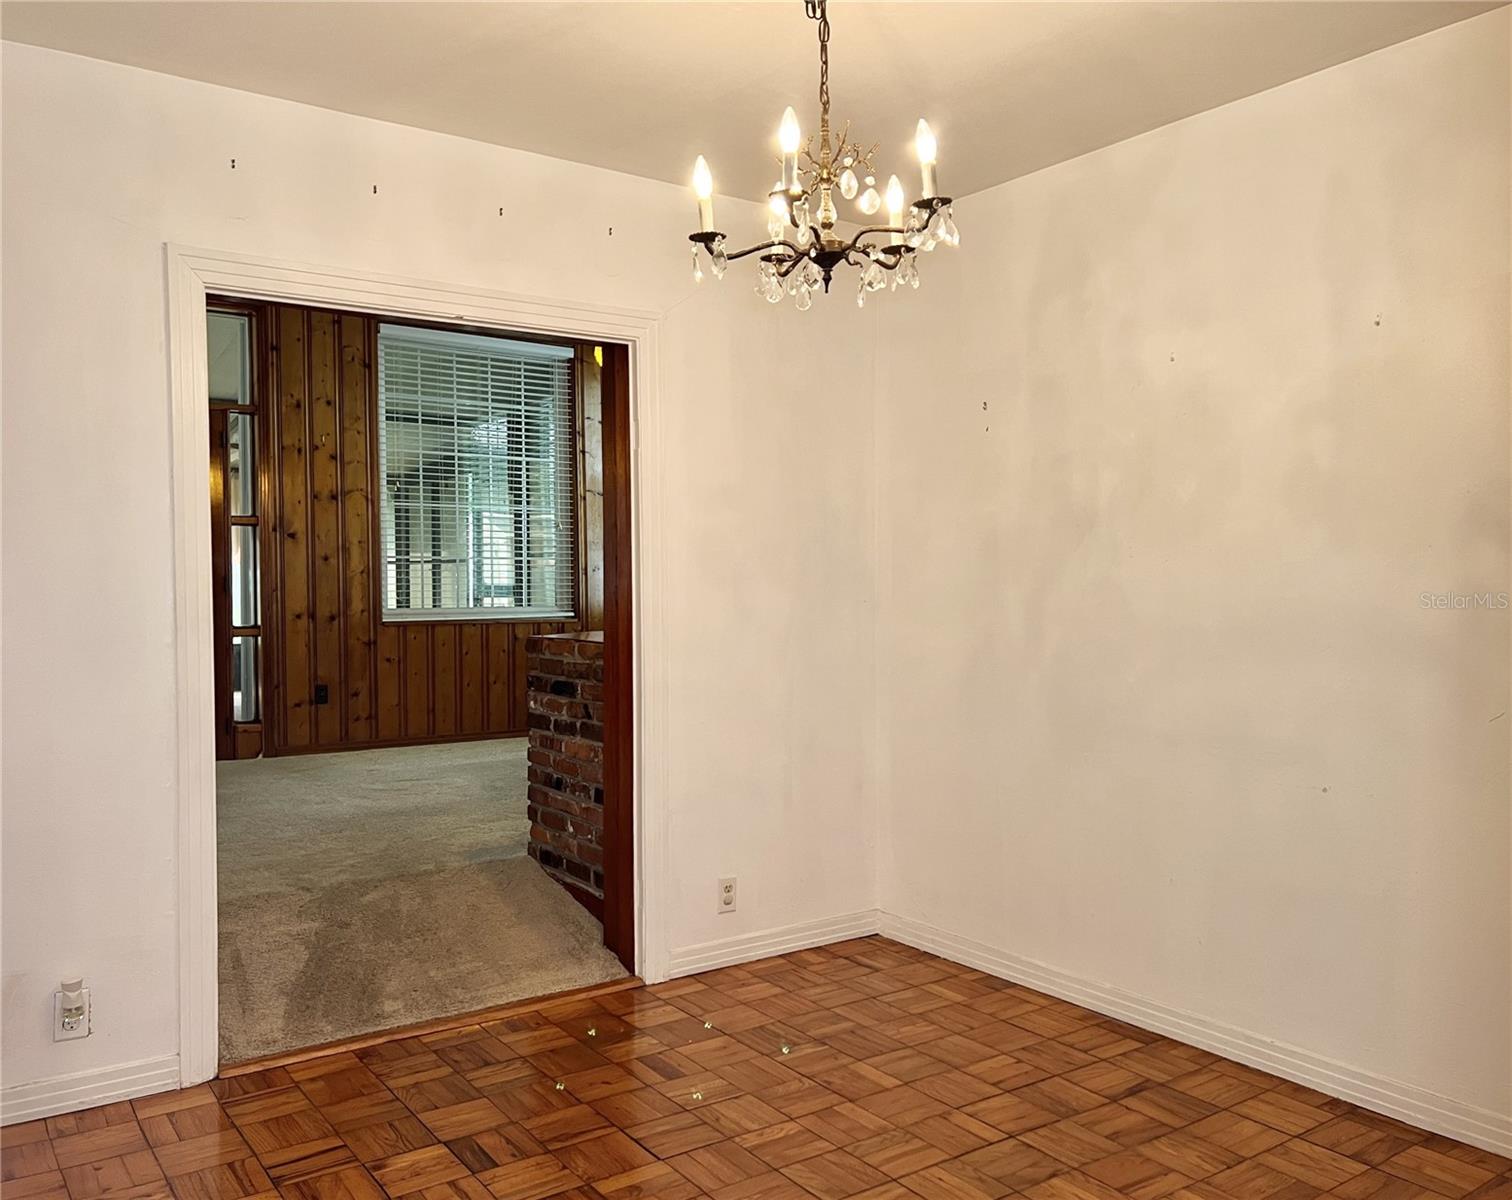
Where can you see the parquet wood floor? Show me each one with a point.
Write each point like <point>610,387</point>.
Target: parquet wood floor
<point>860,1071</point>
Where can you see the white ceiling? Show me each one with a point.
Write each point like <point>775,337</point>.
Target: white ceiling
<point>643,88</point>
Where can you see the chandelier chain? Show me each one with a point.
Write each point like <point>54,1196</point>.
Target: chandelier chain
<point>818,10</point>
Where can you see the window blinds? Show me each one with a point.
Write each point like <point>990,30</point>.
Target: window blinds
<point>475,439</point>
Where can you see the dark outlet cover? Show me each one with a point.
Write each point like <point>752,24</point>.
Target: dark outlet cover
<point>322,693</point>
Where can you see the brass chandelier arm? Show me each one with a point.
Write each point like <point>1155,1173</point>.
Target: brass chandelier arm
<point>769,245</point>
<point>816,244</point>
<point>794,254</point>
<point>888,229</point>
<point>888,262</point>
<point>708,238</point>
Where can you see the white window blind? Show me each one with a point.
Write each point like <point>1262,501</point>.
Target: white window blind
<point>475,438</point>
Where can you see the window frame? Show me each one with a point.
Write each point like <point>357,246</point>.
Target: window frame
<point>566,616</point>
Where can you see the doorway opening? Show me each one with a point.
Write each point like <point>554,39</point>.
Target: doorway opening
<point>413,526</point>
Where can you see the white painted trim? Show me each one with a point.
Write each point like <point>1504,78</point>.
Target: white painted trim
<point>1427,1110</point>
<point>86,1089</point>
<point>749,947</point>
<point>191,273</point>
<point>189,390</point>
<point>1439,1114</point>
<point>653,757</point>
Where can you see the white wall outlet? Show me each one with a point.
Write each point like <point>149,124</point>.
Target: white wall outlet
<point>727,894</point>
<point>71,1011</point>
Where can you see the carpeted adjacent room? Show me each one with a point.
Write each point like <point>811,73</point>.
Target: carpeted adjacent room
<point>373,889</point>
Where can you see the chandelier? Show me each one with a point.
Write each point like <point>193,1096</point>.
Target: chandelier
<point>803,249</point>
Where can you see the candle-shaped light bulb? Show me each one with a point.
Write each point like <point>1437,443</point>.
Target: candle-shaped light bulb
<point>895,209</point>
<point>779,211</point>
<point>703,188</point>
<point>788,137</point>
<point>924,144</point>
<point>788,133</point>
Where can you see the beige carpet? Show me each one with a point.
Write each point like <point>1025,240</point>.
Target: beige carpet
<point>378,888</point>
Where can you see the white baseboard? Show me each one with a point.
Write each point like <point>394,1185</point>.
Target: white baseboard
<point>86,1089</point>
<point>1427,1110</point>
<point>749,947</point>
<point>1417,1106</point>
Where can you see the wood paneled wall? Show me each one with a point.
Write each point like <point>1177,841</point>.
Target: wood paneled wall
<point>386,683</point>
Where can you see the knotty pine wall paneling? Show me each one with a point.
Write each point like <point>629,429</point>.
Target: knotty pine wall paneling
<point>385,684</point>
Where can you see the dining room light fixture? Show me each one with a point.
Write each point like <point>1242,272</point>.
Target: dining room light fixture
<point>803,248</point>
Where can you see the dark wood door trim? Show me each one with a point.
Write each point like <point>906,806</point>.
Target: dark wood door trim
<point>619,662</point>
<point>220,597</point>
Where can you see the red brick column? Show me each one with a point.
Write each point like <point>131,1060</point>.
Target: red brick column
<point>566,799</point>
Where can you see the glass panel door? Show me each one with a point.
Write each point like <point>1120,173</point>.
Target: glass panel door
<point>236,530</point>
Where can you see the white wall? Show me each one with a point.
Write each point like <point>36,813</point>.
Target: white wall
<point>767,506</point>
<point>1189,426</point>
<point>1133,655</point>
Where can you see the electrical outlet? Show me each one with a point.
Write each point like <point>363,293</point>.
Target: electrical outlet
<point>727,894</point>
<point>71,1012</point>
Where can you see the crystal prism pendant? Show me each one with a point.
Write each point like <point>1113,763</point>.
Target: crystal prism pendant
<point>948,233</point>
<point>718,260</point>
<point>914,228</point>
<point>697,265</point>
<point>768,286</point>
<point>804,300</point>
<point>849,184</point>
<point>870,201</point>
